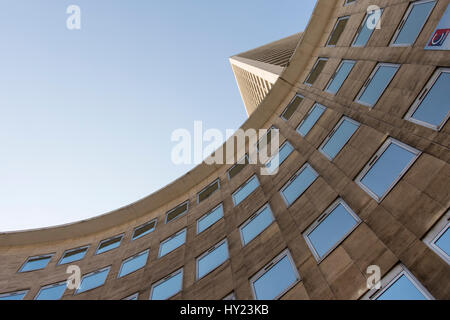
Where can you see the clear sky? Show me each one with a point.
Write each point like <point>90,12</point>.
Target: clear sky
<point>86,116</point>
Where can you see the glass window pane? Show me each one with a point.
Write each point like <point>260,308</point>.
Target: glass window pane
<point>337,32</point>
<point>177,212</point>
<point>246,190</point>
<point>134,264</point>
<point>332,230</point>
<point>364,35</point>
<point>73,255</point>
<point>168,288</point>
<point>340,76</point>
<point>212,260</point>
<point>311,119</point>
<point>257,225</point>
<point>378,84</point>
<point>172,244</point>
<point>284,152</point>
<point>206,193</point>
<point>93,281</point>
<point>340,138</point>
<point>296,188</point>
<point>36,263</point>
<point>402,289</point>
<point>315,72</point>
<point>234,171</point>
<point>13,296</point>
<point>443,242</point>
<point>52,293</point>
<point>414,23</point>
<point>293,106</point>
<point>276,280</point>
<point>110,244</point>
<point>209,219</point>
<point>144,230</point>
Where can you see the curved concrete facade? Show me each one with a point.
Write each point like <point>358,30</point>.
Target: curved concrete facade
<point>392,231</point>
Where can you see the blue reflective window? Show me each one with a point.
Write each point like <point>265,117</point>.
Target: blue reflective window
<point>416,16</point>
<point>243,192</point>
<point>134,263</point>
<point>401,288</point>
<point>298,184</point>
<point>328,232</point>
<point>172,243</point>
<point>339,137</point>
<point>340,76</point>
<point>391,163</point>
<point>377,83</point>
<point>73,255</point>
<point>310,120</point>
<point>212,259</point>
<point>109,244</point>
<point>209,219</point>
<point>93,280</point>
<point>143,230</point>
<point>284,152</point>
<point>13,295</point>
<point>273,283</point>
<point>36,263</point>
<point>168,287</point>
<point>364,32</point>
<point>443,242</point>
<point>257,224</point>
<point>53,292</point>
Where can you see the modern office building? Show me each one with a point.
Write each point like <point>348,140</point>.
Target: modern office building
<point>363,185</point>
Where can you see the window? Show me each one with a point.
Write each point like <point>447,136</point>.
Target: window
<point>93,280</point>
<point>73,255</point>
<point>386,168</point>
<point>292,107</point>
<point>208,191</point>
<point>245,190</point>
<point>276,278</point>
<point>377,83</point>
<point>338,137</point>
<point>257,223</point>
<point>298,184</point>
<point>316,70</point>
<point>347,2</point>
<point>234,170</point>
<point>273,164</point>
<point>330,229</point>
<point>340,76</point>
<point>432,109</point>
<point>412,23</point>
<point>177,212</point>
<point>399,284</point>
<point>132,297</point>
<point>167,287</point>
<point>144,229</point>
<point>365,29</point>
<point>231,296</point>
<point>36,263</point>
<point>438,239</point>
<point>174,242</point>
<point>19,295</point>
<point>310,120</point>
<point>267,139</point>
<point>109,244</point>
<point>52,292</point>
<point>209,219</point>
<point>339,27</point>
<point>211,259</point>
<point>133,264</point>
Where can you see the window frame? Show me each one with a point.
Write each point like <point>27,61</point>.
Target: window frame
<point>15,293</point>
<point>254,176</point>
<point>291,179</point>
<point>335,74</point>
<point>374,159</point>
<point>435,233</point>
<point>109,239</point>
<point>170,238</point>
<point>173,274</point>
<point>51,286</point>
<point>134,295</point>
<point>133,238</point>
<point>175,208</point>
<point>423,94</point>
<point>230,296</point>
<point>209,185</point>
<point>49,255</point>
<point>207,214</point>
<point>72,250</point>
<point>246,160</point>
<point>321,219</point>
<point>327,44</point>
<point>147,251</point>
<point>297,95</point>
<point>312,70</point>
<point>251,218</point>
<point>90,274</point>
<point>206,253</point>
<point>361,26</point>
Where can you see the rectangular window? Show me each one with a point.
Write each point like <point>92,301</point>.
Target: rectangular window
<point>212,259</point>
<point>412,23</point>
<point>167,287</point>
<point>399,284</point>
<point>109,244</point>
<point>341,74</point>
<point>93,280</point>
<point>292,107</point>
<point>330,229</point>
<point>438,239</point>
<point>386,168</point>
<point>134,263</point>
<point>338,29</point>
<point>366,28</point>
<point>144,229</point>
<point>210,218</point>
<point>275,162</point>
<point>276,278</point>
<point>177,212</point>
<point>310,119</point>
<point>52,292</point>
<point>245,190</point>
<point>338,137</point>
<point>267,139</point>
<point>36,263</point>
<point>19,295</point>
<point>316,71</point>
<point>132,297</point>
<point>73,255</point>
<point>347,2</point>
<point>208,191</point>
<point>377,83</point>
<point>234,170</point>
<point>432,108</point>
<point>298,184</point>
<point>174,242</point>
<point>257,223</point>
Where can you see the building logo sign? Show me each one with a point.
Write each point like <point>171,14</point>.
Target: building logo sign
<point>439,39</point>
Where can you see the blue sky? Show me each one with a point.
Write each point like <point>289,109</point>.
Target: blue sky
<point>86,116</point>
